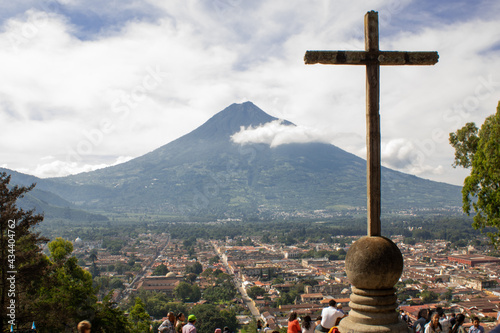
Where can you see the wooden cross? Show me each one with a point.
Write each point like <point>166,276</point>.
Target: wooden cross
<point>372,58</point>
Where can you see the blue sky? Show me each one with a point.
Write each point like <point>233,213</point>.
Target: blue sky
<point>87,84</point>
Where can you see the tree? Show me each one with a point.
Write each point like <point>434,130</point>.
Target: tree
<point>160,270</point>
<point>20,251</point>
<point>109,318</point>
<point>255,291</point>
<point>139,318</point>
<point>67,295</point>
<point>428,296</point>
<point>214,260</point>
<point>209,317</point>
<point>186,292</point>
<point>479,150</point>
<point>195,268</point>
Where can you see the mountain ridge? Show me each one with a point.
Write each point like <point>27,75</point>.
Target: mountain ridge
<point>204,173</point>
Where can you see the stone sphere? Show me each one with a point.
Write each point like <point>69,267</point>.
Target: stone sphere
<point>374,262</point>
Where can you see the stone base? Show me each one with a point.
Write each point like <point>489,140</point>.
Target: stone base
<point>346,326</point>
<point>373,310</point>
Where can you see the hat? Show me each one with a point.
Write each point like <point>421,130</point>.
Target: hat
<point>191,318</point>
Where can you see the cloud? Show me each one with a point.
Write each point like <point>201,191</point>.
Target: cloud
<point>277,133</point>
<point>406,156</point>
<point>58,168</point>
<point>67,69</point>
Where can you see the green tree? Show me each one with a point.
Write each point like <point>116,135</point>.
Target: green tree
<point>139,318</point>
<point>479,150</point>
<point>160,270</point>
<point>195,268</point>
<point>428,296</point>
<point>109,318</point>
<point>67,295</point>
<point>20,250</point>
<point>255,291</point>
<point>214,260</point>
<point>209,317</point>
<point>186,292</point>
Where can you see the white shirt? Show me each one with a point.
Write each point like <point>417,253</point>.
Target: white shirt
<point>329,316</point>
<point>445,324</point>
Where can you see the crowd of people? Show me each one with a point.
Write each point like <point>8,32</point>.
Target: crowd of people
<point>428,321</point>
<point>327,322</point>
<point>178,324</point>
<point>436,321</point>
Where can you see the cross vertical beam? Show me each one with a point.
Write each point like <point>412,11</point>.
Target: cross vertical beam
<point>372,58</point>
<point>373,204</point>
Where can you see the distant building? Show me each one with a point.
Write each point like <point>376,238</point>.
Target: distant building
<point>164,284</point>
<point>473,260</point>
<point>476,283</point>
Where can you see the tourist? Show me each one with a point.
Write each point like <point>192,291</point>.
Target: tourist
<point>189,327</point>
<point>329,317</point>
<point>267,328</point>
<point>339,308</point>
<point>419,324</point>
<point>180,321</point>
<point>317,322</point>
<point>259,326</point>
<point>443,320</point>
<point>293,324</point>
<point>168,326</point>
<point>218,330</point>
<point>476,328</point>
<point>434,326</point>
<point>453,319</point>
<point>307,325</point>
<point>84,327</point>
<point>226,330</point>
<point>403,316</point>
<point>457,327</point>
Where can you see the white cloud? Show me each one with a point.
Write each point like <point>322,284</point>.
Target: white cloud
<point>56,88</point>
<point>58,168</point>
<point>406,156</point>
<point>277,133</point>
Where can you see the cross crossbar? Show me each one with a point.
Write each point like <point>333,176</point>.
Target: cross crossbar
<point>383,58</point>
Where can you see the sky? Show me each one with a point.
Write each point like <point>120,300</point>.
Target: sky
<point>89,84</point>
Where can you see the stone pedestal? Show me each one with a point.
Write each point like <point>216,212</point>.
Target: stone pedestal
<point>373,266</point>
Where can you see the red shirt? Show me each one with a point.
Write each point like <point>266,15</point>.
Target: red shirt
<point>294,327</point>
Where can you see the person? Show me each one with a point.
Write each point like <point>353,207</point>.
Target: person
<point>404,317</point>
<point>307,325</point>
<point>84,326</point>
<point>317,322</point>
<point>329,317</point>
<point>457,327</point>
<point>293,324</point>
<point>189,327</point>
<point>476,328</point>
<point>443,320</point>
<point>434,326</point>
<point>168,326</point>
<point>180,321</point>
<point>259,326</point>
<point>453,319</point>
<point>267,328</point>
<point>419,324</point>
<point>218,330</point>
<point>226,330</point>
